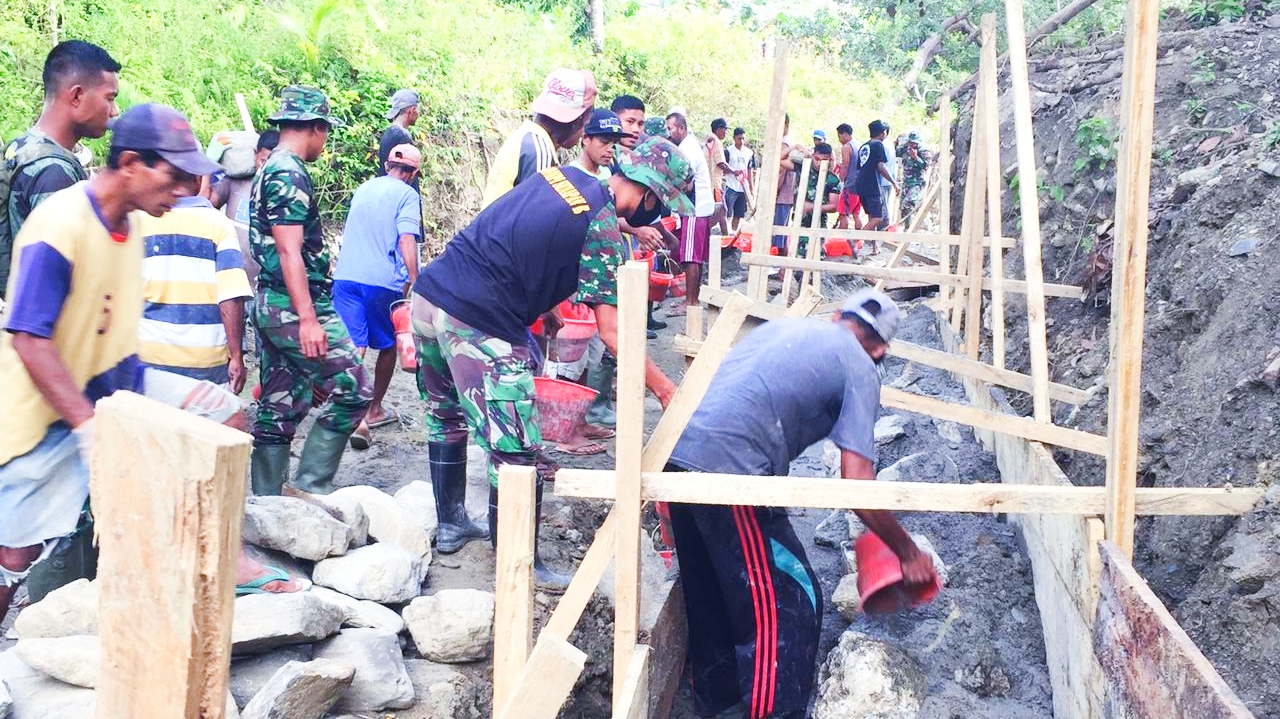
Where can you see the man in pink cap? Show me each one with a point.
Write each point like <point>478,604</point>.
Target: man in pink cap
<point>559,115</point>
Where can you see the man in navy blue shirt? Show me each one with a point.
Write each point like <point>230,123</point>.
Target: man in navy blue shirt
<point>873,165</point>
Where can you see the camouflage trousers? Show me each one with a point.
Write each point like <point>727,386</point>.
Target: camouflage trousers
<point>911,196</point>
<point>291,382</point>
<point>472,380</point>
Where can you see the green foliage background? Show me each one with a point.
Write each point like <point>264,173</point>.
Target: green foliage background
<point>477,65</point>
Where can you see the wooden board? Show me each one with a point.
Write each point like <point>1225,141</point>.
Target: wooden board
<point>924,238</point>
<point>960,365</point>
<point>513,577</point>
<point>770,158</point>
<point>793,237</point>
<point>548,678</point>
<point>988,100</point>
<point>1152,668</point>
<point>168,495</point>
<point>944,189</point>
<point>975,197</point>
<point>901,496</point>
<point>634,700</point>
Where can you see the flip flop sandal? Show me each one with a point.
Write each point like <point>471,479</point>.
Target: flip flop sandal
<point>274,574</point>
<point>591,431</point>
<point>392,418</point>
<point>583,450</point>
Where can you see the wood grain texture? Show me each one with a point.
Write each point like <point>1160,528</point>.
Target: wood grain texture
<point>634,701</point>
<point>988,99</point>
<point>793,237</point>
<point>513,577</point>
<point>924,238</point>
<point>168,495</point>
<point>960,365</point>
<point>770,159</point>
<point>548,677</point>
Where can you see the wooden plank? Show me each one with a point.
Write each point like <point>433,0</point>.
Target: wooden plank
<point>1030,204</point>
<point>767,179</point>
<point>924,238</point>
<point>633,294</point>
<point>1129,268</point>
<point>1024,427</point>
<point>961,365</point>
<point>1151,666</point>
<point>903,496</point>
<point>988,97</point>
<point>168,495</point>
<point>586,578</point>
<point>513,578</point>
<point>976,215</point>
<point>963,254</point>
<point>715,266</point>
<point>634,702</point>
<point>793,237</point>
<point>806,302</point>
<point>245,118</point>
<point>815,224</point>
<point>944,189</point>
<point>548,678</point>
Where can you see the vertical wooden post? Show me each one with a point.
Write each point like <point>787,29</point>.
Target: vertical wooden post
<point>770,157</point>
<point>983,133</point>
<point>513,578</point>
<point>1129,269</point>
<point>168,494</point>
<point>813,279</point>
<point>944,192</point>
<point>991,111</point>
<point>715,265</point>
<point>974,191</point>
<point>633,289</point>
<point>796,224</point>
<point>1027,193</point>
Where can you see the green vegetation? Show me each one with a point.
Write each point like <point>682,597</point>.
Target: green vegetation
<point>1096,138</point>
<point>1206,70</point>
<point>1210,12</point>
<point>1271,140</point>
<point>1197,111</point>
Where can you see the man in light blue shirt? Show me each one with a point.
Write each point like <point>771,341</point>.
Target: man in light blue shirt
<point>377,263</point>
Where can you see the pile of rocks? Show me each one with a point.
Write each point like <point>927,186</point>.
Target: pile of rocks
<point>336,649</point>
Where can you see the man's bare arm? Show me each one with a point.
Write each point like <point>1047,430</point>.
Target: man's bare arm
<point>52,378</point>
<point>654,378</point>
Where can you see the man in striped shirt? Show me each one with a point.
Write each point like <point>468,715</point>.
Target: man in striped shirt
<point>196,286</point>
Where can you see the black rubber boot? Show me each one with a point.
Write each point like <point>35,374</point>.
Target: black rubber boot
<point>448,464</point>
<point>543,577</point>
<point>269,466</point>
<point>319,460</point>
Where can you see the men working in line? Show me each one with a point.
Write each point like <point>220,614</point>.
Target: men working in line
<point>516,261</point>
<point>193,320</point>
<point>719,166</point>
<point>695,230</point>
<point>72,338</point>
<point>80,86</point>
<point>849,205</point>
<point>559,114</point>
<point>377,264</point>
<point>915,168</point>
<point>873,169</point>
<point>738,183</point>
<point>405,107</point>
<point>305,346</point>
<point>754,604</point>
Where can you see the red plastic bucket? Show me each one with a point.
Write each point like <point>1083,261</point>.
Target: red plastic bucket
<point>406,347</point>
<point>678,285</point>
<point>880,579</point>
<point>743,240</point>
<point>561,405</point>
<point>837,247</point>
<point>659,283</point>
<point>669,222</point>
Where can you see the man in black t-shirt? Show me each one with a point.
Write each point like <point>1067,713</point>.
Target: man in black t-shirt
<point>405,107</point>
<point>872,165</point>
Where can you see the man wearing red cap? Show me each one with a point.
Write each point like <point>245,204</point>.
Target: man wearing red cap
<point>559,115</point>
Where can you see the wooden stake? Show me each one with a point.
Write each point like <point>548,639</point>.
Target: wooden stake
<point>924,238</point>
<point>715,266</point>
<point>168,496</point>
<point>814,278</point>
<point>633,293</point>
<point>634,702</point>
<point>513,578</point>
<point>793,237</point>
<point>548,677</point>
<point>966,367</point>
<point>1030,204</point>
<point>944,188</point>
<point>245,118</point>
<point>989,99</point>
<point>971,191</point>
<point>974,213</point>
<point>770,158</point>
<point>1129,269</point>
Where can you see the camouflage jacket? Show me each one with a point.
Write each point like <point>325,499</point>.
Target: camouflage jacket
<point>914,169</point>
<point>603,252</point>
<point>831,187</point>
<point>282,194</point>
<point>34,167</point>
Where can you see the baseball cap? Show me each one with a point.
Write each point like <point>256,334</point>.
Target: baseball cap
<point>166,132</point>
<point>914,137</point>
<point>299,103</point>
<point>659,166</point>
<point>820,135</point>
<point>876,309</point>
<point>877,127</point>
<point>566,94</point>
<point>405,154</point>
<point>401,101</point>
<point>605,123</point>
<point>719,124</point>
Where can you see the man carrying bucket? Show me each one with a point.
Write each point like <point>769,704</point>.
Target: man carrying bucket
<point>754,604</point>
<point>513,264</point>
<point>377,264</point>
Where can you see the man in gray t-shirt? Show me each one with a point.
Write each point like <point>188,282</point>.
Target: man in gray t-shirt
<point>749,590</point>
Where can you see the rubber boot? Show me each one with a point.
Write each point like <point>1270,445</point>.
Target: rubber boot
<point>319,460</point>
<point>448,464</point>
<point>543,577</point>
<point>600,379</point>
<point>269,467</point>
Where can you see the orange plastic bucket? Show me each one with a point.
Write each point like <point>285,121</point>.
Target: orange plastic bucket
<point>669,222</point>
<point>659,283</point>
<point>561,405</point>
<point>406,347</point>
<point>679,285</point>
<point>837,247</point>
<point>880,579</point>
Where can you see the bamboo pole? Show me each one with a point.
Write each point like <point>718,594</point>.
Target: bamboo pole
<point>770,159</point>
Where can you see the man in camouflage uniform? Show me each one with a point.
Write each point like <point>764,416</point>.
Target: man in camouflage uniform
<point>915,168</point>
<point>826,202</point>
<point>514,263</point>
<point>80,86</point>
<point>305,346</point>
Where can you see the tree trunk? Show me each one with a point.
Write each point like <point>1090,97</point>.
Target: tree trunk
<point>930,48</point>
<point>597,25</point>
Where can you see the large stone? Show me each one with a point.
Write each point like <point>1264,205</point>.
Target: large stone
<point>379,572</point>
<point>846,598</point>
<point>362,612</point>
<point>36,696</point>
<point>74,660</point>
<point>453,625</point>
<point>67,611</point>
<point>867,679</point>
<point>250,674</point>
<point>381,680</point>
<point>442,692</point>
<point>266,621</point>
<point>832,531</point>
<point>921,467</point>
<point>890,428</point>
<point>389,522</point>
<point>294,526</point>
<point>351,513</point>
<point>301,691</point>
<point>419,500</point>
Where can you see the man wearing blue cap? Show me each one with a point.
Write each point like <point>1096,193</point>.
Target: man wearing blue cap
<point>600,137</point>
<point>71,338</point>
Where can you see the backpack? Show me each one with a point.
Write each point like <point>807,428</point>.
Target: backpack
<point>19,154</point>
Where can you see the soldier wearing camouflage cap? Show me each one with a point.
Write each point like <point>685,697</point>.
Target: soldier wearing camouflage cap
<point>915,169</point>
<point>306,349</point>
<point>519,258</point>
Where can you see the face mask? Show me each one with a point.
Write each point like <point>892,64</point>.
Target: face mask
<point>643,217</point>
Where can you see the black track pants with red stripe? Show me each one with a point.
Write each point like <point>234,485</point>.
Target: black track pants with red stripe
<point>754,606</point>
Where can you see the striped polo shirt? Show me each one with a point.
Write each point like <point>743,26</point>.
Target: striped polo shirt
<point>192,264</point>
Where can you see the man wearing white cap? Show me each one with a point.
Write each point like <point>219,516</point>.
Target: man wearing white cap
<point>559,115</point>
<point>748,588</point>
<point>405,107</point>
